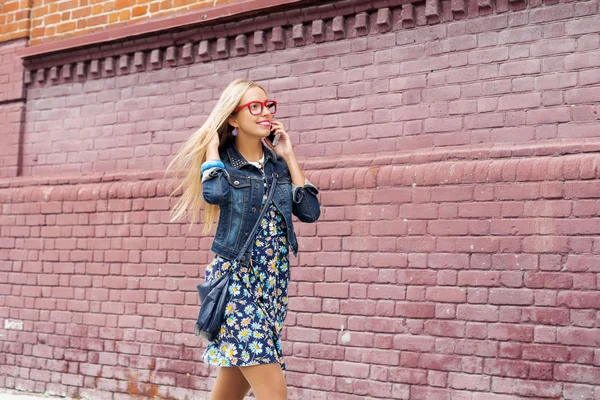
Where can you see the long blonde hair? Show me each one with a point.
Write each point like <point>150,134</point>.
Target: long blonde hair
<point>192,154</point>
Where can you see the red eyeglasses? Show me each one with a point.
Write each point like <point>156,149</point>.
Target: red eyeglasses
<point>256,107</point>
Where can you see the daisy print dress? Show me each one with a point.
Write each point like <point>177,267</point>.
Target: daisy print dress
<point>257,299</point>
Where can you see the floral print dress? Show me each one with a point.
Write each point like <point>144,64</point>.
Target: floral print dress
<point>256,301</point>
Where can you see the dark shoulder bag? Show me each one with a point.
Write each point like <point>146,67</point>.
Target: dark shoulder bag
<point>213,293</point>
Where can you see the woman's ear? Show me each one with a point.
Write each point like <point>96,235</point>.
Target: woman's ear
<point>232,122</point>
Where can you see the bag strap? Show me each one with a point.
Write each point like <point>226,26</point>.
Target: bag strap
<point>262,213</point>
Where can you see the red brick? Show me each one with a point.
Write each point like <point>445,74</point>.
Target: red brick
<point>583,25</point>
<point>578,336</point>
<point>514,262</point>
<point>478,278</point>
<point>469,382</point>
<point>474,348</point>
<point>546,317</point>
<point>548,280</point>
<point>511,296</point>
<point>409,376</point>
<point>415,310</point>
<point>537,388</point>
<point>445,328</point>
<point>393,196</point>
<point>446,294</point>
<point>328,321</point>
<point>506,368</point>
<point>352,370</point>
<point>443,124</point>
<point>518,101</point>
<point>477,313</point>
<point>488,55</point>
<point>516,68</point>
<point>510,332</point>
<point>577,373</point>
<point>416,277</point>
<point>545,244</point>
<point>336,290</point>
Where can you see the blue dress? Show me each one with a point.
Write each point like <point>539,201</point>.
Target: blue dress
<point>256,301</point>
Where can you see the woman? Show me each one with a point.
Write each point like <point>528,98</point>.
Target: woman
<point>233,167</point>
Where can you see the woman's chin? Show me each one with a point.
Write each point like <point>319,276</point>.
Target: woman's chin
<point>263,133</point>
<point>259,133</point>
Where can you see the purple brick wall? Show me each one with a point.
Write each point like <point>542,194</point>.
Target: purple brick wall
<point>519,77</point>
<point>12,96</point>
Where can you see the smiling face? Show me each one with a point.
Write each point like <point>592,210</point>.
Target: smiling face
<point>248,124</point>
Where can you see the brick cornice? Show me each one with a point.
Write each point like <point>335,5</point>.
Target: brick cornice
<point>156,25</point>
<point>571,171</point>
<point>237,31</point>
<point>221,13</point>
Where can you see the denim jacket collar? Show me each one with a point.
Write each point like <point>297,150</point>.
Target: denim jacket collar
<point>237,159</point>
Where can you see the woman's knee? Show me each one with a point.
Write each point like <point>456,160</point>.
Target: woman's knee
<point>267,381</point>
<point>276,391</point>
<point>271,393</point>
<point>230,385</point>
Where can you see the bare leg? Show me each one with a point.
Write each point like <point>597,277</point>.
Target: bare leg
<point>229,385</point>
<point>267,381</point>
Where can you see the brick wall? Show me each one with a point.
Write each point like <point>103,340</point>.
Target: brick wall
<point>54,20</point>
<point>456,257</point>
<point>12,107</point>
<point>14,19</point>
<point>520,77</point>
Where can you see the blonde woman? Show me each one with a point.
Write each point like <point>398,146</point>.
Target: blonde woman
<point>231,166</point>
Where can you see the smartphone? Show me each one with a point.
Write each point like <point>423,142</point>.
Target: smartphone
<point>273,138</point>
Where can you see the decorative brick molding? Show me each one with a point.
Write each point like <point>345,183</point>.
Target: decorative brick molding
<point>503,153</point>
<point>278,30</point>
<point>47,22</point>
<point>411,171</point>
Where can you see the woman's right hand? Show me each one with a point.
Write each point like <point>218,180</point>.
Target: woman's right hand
<point>212,149</point>
<point>214,142</point>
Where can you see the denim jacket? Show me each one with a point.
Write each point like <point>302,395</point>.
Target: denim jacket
<point>238,191</point>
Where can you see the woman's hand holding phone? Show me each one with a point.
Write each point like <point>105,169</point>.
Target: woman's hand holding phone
<point>273,138</point>
<point>283,148</point>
